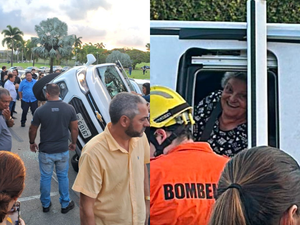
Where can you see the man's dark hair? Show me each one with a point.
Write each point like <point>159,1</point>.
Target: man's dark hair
<point>10,76</point>
<point>3,67</point>
<point>53,90</point>
<point>27,73</point>
<point>32,69</point>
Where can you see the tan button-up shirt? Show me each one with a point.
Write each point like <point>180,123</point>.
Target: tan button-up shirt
<point>115,178</point>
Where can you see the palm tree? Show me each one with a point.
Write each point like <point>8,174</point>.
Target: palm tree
<point>148,46</point>
<point>100,45</point>
<point>11,36</point>
<point>53,40</point>
<point>78,42</point>
<point>20,46</point>
<point>77,46</point>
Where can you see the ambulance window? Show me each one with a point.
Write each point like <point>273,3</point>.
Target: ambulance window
<point>111,79</point>
<point>196,81</point>
<point>208,81</point>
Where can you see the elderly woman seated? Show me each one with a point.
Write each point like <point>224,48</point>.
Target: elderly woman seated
<point>221,117</point>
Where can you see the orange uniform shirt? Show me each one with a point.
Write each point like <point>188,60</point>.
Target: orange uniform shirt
<point>183,184</point>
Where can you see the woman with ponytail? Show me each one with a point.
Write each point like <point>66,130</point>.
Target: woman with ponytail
<point>12,177</point>
<point>259,186</point>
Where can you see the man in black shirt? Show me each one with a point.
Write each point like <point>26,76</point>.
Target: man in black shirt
<point>56,118</point>
<point>3,73</point>
<point>34,76</point>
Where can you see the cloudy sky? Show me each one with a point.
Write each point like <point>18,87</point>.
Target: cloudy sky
<point>116,23</point>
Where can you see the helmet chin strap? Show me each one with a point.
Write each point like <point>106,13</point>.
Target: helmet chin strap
<point>159,149</point>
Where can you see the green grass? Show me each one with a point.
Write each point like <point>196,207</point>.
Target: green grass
<point>24,65</point>
<point>136,74</point>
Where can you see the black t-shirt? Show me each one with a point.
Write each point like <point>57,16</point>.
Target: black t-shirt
<point>55,118</point>
<point>3,73</point>
<point>17,80</point>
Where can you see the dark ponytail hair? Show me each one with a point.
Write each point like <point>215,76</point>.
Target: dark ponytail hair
<point>12,177</point>
<point>257,187</point>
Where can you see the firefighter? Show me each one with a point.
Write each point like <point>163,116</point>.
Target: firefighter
<point>184,174</point>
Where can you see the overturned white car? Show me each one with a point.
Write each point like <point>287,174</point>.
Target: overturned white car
<point>89,89</point>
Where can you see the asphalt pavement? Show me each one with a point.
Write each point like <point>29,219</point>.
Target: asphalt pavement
<point>31,208</point>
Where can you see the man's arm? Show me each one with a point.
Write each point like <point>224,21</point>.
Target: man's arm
<point>74,134</point>
<point>32,135</point>
<point>20,94</point>
<point>147,193</point>
<point>86,205</point>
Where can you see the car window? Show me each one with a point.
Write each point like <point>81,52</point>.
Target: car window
<point>111,79</point>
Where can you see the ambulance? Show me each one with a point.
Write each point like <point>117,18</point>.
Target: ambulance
<point>192,57</point>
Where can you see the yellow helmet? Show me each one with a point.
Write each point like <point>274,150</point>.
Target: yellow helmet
<point>168,108</point>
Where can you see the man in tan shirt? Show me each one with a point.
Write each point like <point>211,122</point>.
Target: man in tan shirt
<point>113,178</point>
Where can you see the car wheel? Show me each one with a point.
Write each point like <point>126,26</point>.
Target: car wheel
<point>74,162</point>
<point>39,85</point>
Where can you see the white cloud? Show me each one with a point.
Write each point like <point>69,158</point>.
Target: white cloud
<point>116,23</point>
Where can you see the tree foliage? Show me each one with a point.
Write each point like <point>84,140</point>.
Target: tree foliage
<point>12,35</point>
<point>77,42</point>
<point>138,56</point>
<point>122,57</point>
<point>96,49</point>
<point>53,40</point>
<point>278,11</point>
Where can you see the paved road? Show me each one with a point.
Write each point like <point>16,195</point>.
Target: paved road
<point>31,208</point>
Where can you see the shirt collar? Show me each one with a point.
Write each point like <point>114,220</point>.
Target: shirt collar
<point>199,146</point>
<point>113,144</point>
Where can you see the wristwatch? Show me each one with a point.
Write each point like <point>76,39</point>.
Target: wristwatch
<point>31,142</point>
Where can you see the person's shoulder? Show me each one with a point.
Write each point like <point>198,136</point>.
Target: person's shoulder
<point>96,142</point>
<point>161,162</point>
<point>215,94</point>
<point>146,97</point>
<point>40,112</point>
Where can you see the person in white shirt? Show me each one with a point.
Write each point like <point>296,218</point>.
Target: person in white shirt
<point>9,85</point>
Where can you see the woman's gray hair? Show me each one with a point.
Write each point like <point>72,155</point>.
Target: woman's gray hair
<point>237,75</point>
<point>124,103</point>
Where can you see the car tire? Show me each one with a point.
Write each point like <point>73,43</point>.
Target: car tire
<point>74,162</point>
<point>39,85</point>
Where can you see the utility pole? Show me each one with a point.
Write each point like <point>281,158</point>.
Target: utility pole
<point>257,73</point>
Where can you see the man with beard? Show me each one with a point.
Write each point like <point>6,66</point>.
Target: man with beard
<point>113,178</point>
